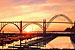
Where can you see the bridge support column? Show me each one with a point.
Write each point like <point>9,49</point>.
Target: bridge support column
<point>44,27</point>
<point>20,31</point>
<point>20,27</point>
<point>1,27</point>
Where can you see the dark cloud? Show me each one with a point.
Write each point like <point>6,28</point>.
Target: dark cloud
<point>70,0</point>
<point>17,0</point>
<point>37,1</point>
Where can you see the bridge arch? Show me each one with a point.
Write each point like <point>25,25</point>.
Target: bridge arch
<point>26,25</point>
<point>59,16</point>
<point>10,23</point>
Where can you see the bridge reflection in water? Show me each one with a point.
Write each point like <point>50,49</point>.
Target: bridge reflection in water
<point>33,40</point>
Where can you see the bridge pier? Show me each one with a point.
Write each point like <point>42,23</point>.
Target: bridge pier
<point>44,27</point>
<point>20,31</point>
<point>20,27</point>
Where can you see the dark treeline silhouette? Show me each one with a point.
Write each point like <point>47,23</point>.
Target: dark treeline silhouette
<point>70,29</point>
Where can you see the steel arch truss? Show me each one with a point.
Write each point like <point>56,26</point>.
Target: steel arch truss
<point>7,24</point>
<point>26,25</point>
<point>70,21</point>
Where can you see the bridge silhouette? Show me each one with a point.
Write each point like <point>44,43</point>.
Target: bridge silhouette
<point>44,26</point>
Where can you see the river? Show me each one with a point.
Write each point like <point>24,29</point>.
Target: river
<point>59,42</point>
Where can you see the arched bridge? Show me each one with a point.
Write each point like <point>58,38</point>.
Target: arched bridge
<point>43,27</point>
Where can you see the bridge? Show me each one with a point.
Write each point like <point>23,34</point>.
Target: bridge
<point>21,25</point>
<point>44,26</point>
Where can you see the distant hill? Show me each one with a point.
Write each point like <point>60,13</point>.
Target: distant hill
<point>70,29</point>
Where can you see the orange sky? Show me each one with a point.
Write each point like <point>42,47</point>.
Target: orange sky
<point>25,10</point>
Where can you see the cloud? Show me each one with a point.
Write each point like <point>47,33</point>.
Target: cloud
<point>27,7</point>
<point>70,0</point>
<point>37,1</point>
<point>17,0</point>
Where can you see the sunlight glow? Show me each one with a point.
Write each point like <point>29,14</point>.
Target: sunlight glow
<point>28,30</point>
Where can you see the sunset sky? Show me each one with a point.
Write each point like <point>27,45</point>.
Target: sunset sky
<point>25,10</point>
